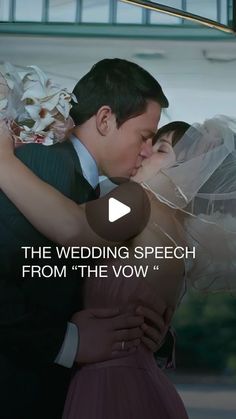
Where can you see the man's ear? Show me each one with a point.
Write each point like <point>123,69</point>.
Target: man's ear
<point>105,120</point>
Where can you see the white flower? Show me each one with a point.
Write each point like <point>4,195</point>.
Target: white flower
<point>41,116</point>
<point>39,107</point>
<point>43,123</point>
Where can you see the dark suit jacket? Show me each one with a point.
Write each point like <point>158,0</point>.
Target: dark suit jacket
<point>34,312</point>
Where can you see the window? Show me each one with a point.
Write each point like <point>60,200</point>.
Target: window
<point>4,10</point>
<point>127,13</point>
<point>25,12</point>
<point>206,8</point>
<point>165,19</point>
<point>95,11</point>
<point>62,10</point>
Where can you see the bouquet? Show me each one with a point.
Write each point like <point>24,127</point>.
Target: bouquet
<point>35,108</point>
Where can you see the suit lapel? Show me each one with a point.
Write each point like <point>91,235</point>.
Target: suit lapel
<point>85,190</point>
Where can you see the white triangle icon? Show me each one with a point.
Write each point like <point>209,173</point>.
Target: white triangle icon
<point>117,210</point>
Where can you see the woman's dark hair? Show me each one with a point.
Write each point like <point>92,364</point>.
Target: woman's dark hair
<point>124,86</point>
<point>177,127</point>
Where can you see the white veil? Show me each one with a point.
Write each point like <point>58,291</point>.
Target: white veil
<point>202,187</point>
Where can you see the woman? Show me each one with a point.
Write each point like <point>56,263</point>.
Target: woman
<point>163,142</point>
<point>171,132</point>
<point>138,388</point>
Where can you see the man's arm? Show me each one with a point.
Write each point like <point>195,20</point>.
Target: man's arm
<point>29,331</point>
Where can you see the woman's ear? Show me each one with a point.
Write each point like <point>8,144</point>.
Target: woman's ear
<point>105,120</point>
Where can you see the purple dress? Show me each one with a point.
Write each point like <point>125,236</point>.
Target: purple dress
<point>133,387</point>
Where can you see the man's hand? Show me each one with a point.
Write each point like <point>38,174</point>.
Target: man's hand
<point>155,326</point>
<point>106,334</point>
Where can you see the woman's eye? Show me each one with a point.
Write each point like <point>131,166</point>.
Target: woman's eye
<point>163,148</point>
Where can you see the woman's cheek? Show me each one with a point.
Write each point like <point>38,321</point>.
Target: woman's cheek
<point>152,165</point>
<point>169,160</point>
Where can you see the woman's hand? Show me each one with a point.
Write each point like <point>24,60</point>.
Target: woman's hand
<point>155,326</point>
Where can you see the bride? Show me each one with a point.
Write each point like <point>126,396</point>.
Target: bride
<point>187,207</point>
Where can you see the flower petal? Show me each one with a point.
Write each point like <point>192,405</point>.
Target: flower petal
<point>74,98</point>
<point>49,139</point>
<point>27,129</point>
<point>50,102</point>
<point>36,91</point>
<point>41,76</point>
<point>43,123</point>
<point>64,108</point>
<point>33,111</point>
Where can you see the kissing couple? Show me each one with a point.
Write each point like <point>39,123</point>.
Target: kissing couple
<point>85,349</point>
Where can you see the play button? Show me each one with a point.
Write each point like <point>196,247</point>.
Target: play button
<point>116,210</point>
<point>122,213</point>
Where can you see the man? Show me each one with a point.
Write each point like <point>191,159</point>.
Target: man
<point>44,330</point>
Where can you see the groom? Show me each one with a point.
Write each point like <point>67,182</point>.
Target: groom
<point>44,330</point>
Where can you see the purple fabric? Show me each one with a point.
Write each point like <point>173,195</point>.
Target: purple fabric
<point>127,388</point>
<point>133,387</point>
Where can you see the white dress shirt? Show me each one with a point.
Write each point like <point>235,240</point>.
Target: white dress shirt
<point>67,353</point>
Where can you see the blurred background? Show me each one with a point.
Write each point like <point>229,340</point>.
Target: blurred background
<point>196,67</point>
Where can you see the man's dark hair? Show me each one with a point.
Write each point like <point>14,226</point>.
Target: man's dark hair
<point>124,86</point>
<point>177,127</point>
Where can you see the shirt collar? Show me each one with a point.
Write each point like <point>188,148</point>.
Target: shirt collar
<point>87,162</point>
